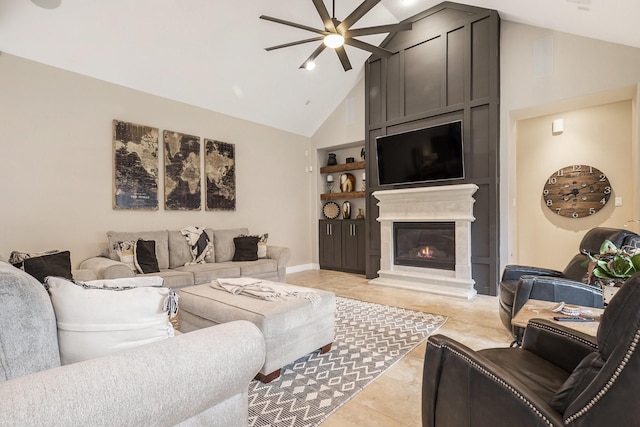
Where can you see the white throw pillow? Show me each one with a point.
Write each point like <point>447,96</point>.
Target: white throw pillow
<point>125,251</point>
<point>97,320</point>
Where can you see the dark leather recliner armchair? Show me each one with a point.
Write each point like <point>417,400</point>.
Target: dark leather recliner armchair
<point>520,283</point>
<point>558,377</point>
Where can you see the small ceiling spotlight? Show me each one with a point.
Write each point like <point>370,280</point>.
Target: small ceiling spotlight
<point>309,65</point>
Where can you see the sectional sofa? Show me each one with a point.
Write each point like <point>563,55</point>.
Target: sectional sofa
<point>200,378</point>
<point>174,254</point>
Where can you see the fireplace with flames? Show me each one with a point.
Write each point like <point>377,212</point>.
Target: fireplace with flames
<point>425,244</point>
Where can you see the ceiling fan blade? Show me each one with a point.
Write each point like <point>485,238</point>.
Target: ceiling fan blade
<point>392,28</point>
<point>313,39</point>
<point>314,55</point>
<point>293,24</point>
<point>358,13</point>
<point>384,53</point>
<point>344,59</point>
<point>324,15</point>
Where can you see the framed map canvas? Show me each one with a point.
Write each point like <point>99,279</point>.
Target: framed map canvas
<point>220,169</point>
<point>182,188</point>
<point>135,166</point>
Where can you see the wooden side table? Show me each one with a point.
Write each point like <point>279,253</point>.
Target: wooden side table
<point>536,309</point>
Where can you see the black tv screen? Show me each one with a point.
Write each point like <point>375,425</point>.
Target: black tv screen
<point>434,153</point>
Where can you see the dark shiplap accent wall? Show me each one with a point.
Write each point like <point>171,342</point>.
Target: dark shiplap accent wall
<point>446,68</point>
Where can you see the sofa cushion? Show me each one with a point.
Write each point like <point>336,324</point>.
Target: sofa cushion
<point>95,321</point>
<point>173,278</point>
<point>223,243</point>
<point>55,264</point>
<point>28,338</point>
<point>205,273</point>
<point>579,379</point>
<point>257,268</point>
<point>160,237</point>
<point>180,252</point>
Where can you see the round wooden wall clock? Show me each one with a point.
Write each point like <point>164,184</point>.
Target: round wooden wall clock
<point>576,191</point>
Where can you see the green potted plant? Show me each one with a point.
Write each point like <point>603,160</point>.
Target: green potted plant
<point>613,266</point>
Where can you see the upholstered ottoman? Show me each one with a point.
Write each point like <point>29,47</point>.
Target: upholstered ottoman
<point>292,328</point>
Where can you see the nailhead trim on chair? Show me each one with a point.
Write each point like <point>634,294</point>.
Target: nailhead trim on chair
<point>612,380</point>
<point>564,333</point>
<point>496,379</point>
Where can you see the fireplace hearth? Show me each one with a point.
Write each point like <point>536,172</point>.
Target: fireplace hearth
<point>413,255</point>
<point>425,244</point>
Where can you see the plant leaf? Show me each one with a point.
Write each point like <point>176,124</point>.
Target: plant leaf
<point>608,247</point>
<point>636,262</point>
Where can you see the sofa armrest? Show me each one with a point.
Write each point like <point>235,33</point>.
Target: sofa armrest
<point>106,268</point>
<point>556,289</point>
<point>159,384</point>
<point>560,345</point>
<point>513,272</point>
<point>462,387</point>
<point>281,255</point>
<point>83,274</point>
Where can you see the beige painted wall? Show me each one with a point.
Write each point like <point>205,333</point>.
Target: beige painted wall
<point>580,73</point>
<point>56,174</point>
<point>598,136</point>
<point>55,134</point>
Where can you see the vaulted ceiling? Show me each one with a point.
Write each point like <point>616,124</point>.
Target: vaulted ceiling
<point>210,53</point>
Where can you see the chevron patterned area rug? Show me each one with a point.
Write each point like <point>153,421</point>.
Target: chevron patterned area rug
<point>369,339</point>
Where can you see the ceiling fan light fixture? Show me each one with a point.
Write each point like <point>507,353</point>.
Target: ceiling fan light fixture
<point>309,65</point>
<point>333,41</point>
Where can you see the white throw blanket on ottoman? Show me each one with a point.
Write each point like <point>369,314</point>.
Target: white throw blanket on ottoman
<point>264,289</point>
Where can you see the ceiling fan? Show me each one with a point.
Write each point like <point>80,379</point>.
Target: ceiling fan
<point>337,33</point>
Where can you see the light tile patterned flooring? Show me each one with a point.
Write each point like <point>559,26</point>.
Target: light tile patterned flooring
<point>394,399</point>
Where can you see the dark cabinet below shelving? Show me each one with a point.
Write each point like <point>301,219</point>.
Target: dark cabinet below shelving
<point>342,245</point>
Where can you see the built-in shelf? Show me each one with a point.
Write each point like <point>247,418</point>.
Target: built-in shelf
<point>336,196</point>
<point>343,167</point>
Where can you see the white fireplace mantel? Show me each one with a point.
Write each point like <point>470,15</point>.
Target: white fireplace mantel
<point>452,203</point>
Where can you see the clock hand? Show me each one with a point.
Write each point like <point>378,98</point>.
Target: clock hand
<point>573,192</point>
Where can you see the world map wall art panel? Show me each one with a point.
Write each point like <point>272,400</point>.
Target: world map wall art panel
<point>220,169</point>
<point>182,190</point>
<point>135,166</point>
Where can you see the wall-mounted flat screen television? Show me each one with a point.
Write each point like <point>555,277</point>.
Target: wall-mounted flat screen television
<point>433,153</point>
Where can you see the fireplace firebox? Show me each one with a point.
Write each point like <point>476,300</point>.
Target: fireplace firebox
<point>425,244</point>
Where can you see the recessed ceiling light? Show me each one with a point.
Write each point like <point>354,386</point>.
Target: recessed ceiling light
<point>47,4</point>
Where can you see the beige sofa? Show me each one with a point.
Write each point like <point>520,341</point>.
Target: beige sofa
<point>200,378</point>
<point>173,252</point>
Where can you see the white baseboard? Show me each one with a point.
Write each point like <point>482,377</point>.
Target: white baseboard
<point>302,267</point>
